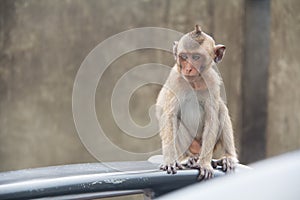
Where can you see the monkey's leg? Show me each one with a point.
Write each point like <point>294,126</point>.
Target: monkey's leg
<point>193,153</point>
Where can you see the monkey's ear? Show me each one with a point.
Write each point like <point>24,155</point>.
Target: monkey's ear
<point>175,44</point>
<point>219,52</point>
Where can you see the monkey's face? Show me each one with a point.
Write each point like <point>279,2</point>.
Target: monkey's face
<point>191,63</point>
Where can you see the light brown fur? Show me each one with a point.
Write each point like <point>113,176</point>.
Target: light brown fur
<point>192,115</point>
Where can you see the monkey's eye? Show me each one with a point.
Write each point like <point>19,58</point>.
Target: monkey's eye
<point>196,56</point>
<point>184,56</point>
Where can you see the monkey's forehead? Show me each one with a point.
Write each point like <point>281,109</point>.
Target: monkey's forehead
<point>189,43</point>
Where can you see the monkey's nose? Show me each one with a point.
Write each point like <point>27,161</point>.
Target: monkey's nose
<point>188,70</point>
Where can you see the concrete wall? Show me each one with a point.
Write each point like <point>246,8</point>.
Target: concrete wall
<point>284,71</point>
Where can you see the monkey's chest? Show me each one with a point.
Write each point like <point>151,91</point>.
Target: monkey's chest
<point>192,115</point>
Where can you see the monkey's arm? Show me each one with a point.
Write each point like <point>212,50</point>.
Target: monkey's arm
<point>209,138</point>
<point>168,134</point>
<point>229,161</point>
<point>167,110</point>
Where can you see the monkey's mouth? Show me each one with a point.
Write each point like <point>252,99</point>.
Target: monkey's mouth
<point>191,76</point>
<point>198,72</point>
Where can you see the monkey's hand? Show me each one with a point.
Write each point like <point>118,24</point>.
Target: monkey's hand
<point>205,170</point>
<point>226,163</point>
<point>171,168</point>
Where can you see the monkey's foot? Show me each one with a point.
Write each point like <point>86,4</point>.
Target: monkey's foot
<point>171,168</point>
<point>192,162</point>
<point>227,164</point>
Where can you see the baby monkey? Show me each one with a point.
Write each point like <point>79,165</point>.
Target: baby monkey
<point>193,118</point>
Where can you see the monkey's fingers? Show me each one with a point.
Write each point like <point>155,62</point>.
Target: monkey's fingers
<point>202,171</point>
<point>214,163</point>
<point>163,167</point>
<point>192,162</point>
<point>220,162</point>
<point>205,174</point>
<point>170,168</point>
<point>227,164</point>
<point>200,176</point>
<point>178,165</point>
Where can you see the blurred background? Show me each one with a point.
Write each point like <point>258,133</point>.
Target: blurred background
<point>43,43</point>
